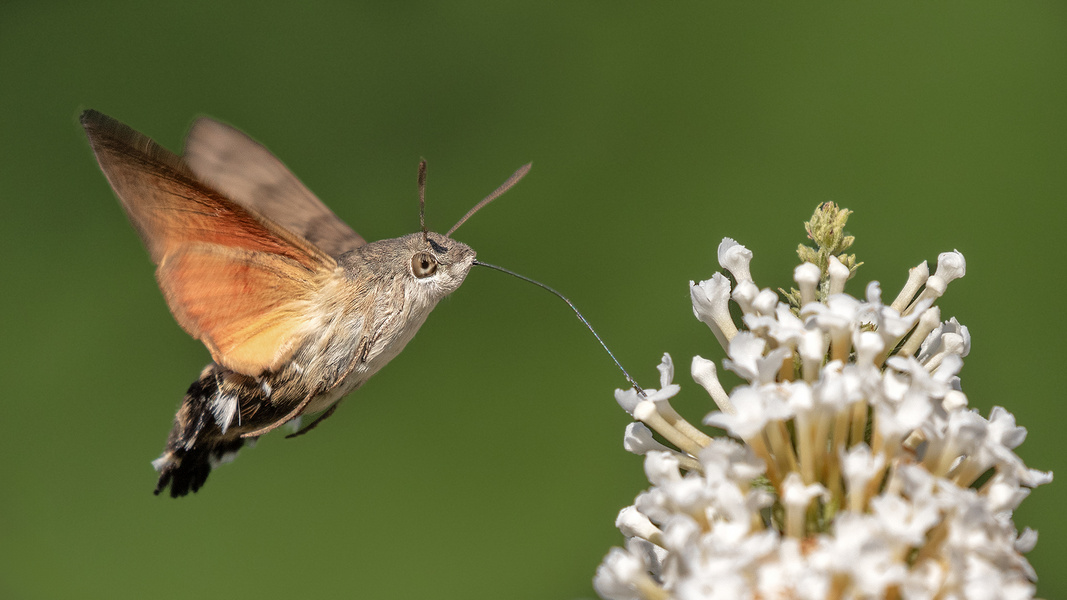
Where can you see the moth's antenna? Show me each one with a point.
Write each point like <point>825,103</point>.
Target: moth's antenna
<point>422,198</point>
<point>515,177</point>
<point>633,383</point>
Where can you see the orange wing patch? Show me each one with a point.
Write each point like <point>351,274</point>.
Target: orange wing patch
<point>249,308</point>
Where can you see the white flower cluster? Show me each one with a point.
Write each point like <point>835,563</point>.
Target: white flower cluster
<point>862,472</point>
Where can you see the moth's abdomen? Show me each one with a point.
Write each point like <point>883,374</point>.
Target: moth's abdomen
<point>197,443</point>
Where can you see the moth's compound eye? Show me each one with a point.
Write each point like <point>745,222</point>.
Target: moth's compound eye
<point>423,265</point>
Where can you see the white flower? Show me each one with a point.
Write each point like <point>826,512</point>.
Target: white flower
<point>860,472</point>
<point>639,440</point>
<point>858,468</point>
<point>735,258</point>
<point>807,277</point>
<point>711,305</point>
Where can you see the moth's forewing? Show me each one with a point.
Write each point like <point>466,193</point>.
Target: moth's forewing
<point>232,278</point>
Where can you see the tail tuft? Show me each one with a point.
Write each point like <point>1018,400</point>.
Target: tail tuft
<point>186,471</point>
<point>197,443</point>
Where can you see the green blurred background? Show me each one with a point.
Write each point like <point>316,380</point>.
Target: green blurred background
<point>486,461</point>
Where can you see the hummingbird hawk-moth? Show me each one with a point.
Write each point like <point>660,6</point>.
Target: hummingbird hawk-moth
<point>296,309</point>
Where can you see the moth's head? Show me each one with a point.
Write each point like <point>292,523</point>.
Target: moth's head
<point>438,263</point>
<point>429,265</point>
